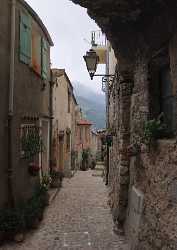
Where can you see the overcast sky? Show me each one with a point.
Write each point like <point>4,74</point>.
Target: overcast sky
<point>70,27</point>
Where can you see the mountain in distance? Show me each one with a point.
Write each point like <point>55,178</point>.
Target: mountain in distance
<point>91,103</point>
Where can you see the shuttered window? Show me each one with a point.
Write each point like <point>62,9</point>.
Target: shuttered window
<point>25,38</point>
<point>36,50</point>
<point>45,62</point>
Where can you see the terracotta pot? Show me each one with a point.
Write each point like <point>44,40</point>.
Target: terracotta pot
<point>56,183</point>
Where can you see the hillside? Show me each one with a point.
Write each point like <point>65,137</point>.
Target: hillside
<point>92,104</point>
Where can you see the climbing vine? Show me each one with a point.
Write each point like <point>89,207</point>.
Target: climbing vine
<point>31,144</point>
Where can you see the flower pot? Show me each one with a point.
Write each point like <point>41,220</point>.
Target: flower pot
<point>33,169</point>
<point>55,183</point>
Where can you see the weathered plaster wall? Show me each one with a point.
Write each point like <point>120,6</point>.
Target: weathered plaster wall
<point>62,118</point>
<point>4,81</point>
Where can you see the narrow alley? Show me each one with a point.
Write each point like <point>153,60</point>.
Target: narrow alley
<point>78,218</point>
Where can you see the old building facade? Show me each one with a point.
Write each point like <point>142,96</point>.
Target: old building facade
<point>25,86</point>
<point>83,139</point>
<point>142,174</point>
<point>64,122</point>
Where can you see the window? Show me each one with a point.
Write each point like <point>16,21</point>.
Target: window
<point>68,135</point>
<point>25,38</point>
<point>69,101</point>
<point>86,134</point>
<point>162,99</point>
<point>36,50</point>
<point>80,133</point>
<point>167,100</point>
<point>29,140</point>
<point>44,58</point>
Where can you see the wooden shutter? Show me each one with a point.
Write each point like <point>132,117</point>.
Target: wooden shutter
<point>25,38</point>
<point>45,62</point>
<point>36,50</point>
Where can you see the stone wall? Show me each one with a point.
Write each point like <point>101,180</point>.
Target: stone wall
<point>120,94</point>
<point>143,183</point>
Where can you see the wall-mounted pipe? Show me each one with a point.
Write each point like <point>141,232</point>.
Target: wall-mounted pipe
<point>11,102</point>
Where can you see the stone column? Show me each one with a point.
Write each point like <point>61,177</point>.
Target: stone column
<point>140,99</point>
<point>125,91</point>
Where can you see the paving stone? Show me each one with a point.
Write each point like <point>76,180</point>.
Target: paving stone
<point>78,219</point>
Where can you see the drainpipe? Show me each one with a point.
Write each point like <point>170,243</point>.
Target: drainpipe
<point>11,103</point>
<point>51,118</point>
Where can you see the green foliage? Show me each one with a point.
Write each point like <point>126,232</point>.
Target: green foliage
<point>154,129</point>
<point>11,220</point>
<point>109,140</point>
<point>85,154</point>
<point>46,180</point>
<point>32,145</point>
<point>15,220</point>
<point>35,206</point>
<point>85,159</point>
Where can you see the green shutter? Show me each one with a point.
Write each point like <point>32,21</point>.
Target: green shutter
<point>44,58</point>
<point>25,38</point>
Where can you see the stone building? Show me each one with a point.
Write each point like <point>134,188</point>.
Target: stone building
<point>101,144</point>
<point>94,144</point>
<point>64,122</point>
<point>25,96</point>
<point>83,138</point>
<point>142,174</point>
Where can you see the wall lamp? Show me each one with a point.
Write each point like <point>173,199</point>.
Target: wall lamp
<point>92,60</point>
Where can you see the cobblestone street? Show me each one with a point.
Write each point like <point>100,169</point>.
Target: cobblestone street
<point>78,218</point>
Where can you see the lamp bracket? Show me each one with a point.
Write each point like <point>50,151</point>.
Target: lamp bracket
<point>107,82</point>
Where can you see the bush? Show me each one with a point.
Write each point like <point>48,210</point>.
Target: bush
<point>16,220</point>
<point>154,129</point>
<point>85,159</point>
<point>11,221</point>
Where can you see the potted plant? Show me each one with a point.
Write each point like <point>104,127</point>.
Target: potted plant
<point>45,184</point>
<point>154,129</point>
<point>33,169</point>
<point>56,178</point>
<point>85,159</point>
<point>11,223</point>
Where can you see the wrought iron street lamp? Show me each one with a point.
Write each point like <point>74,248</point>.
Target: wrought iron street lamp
<point>92,59</point>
